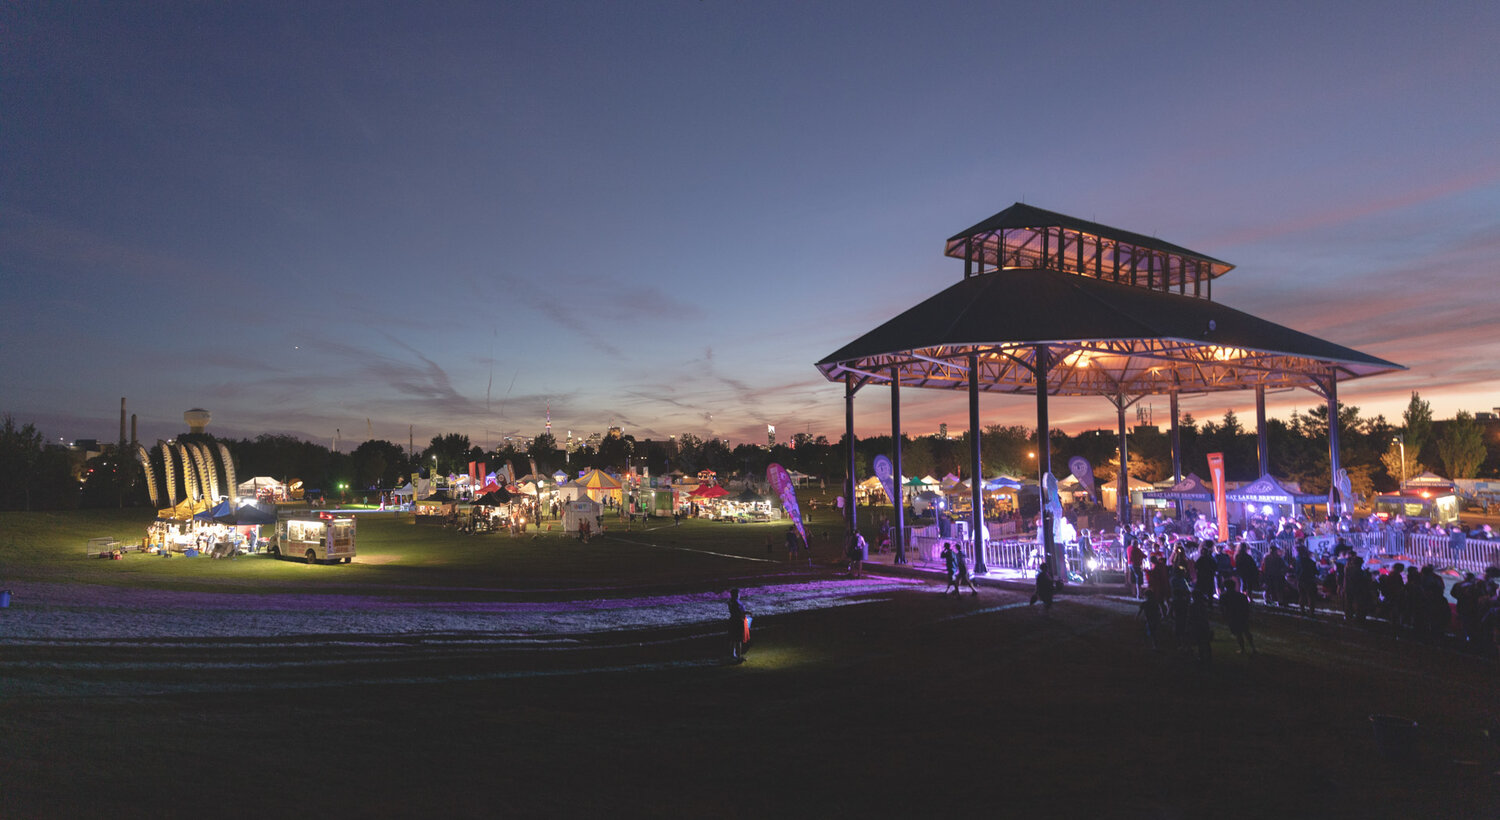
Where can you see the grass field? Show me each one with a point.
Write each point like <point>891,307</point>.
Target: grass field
<point>587,679</point>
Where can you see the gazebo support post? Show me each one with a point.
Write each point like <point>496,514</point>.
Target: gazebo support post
<point>1122,481</point>
<point>1176,450</point>
<point>1332,392</point>
<point>1262,441</point>
<point>976,470</point>
<point>896,464</point>
<point>1044,459</point>
<point>849,512</point>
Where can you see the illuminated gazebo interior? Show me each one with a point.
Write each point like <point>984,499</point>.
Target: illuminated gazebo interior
<point>1050,305</point>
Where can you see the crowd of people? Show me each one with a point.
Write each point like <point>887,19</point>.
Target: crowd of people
<point>1175,578</point>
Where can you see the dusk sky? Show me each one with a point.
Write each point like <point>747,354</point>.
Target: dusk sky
<point>361,216</point>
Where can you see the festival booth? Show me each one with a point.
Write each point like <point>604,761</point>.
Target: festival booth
<point>652,501</point>
<point>1265,496</point>
<point>706,500</point>
<point>263,488</point>
<point>1134,486</point>
<point>1427,497</point>
<point>434,509</point>
<point>175,528</point>
<point>600,486</point>
<point>498,509</point>
<point>747,506</point>
<point>584,509</point>
<point>1190,488</point>
<point>870,491</point>
<point>193,528</point>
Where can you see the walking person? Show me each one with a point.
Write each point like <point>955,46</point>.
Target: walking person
<point>950,565</point>
<point>1246,569</point>
<point>1137,559</point>
<point>961,564</point>
<point>1237,613</point>
<point>1046,587</point>
<point>1199,628</point>
<point>1307,581</point>
<point>859,552</point>
<point>738,626</point>
<point>1273,575</point>
<point>1207,566</point>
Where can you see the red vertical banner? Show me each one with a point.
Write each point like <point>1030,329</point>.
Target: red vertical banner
<point>480,475</point>
<point>1216,472</point>
<point>472,475</point>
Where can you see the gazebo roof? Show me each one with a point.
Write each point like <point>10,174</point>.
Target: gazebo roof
<point>1024,236</point>
<point>1104,339</point>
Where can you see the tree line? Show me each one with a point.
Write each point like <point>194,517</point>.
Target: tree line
<point>35,475</point>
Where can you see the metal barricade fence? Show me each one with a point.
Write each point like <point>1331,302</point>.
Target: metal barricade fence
<point>1010,554</point>
<point>1472,555</point>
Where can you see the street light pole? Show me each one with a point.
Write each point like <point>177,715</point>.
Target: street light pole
<point>1402,441</point>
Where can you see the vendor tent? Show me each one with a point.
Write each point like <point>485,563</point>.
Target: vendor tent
<point>249,514</point>
<point>184,511</point>
<point>222,510</point>
<point>493,498</point>
<point>1001,482</point>
<point>599,485</point>
<point>253,486</point>
<point>1190,488</point>
<point>708,492</point>
<point>1267,490</point>
<point>584,509</point>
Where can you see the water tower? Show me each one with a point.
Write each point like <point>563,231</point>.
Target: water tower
<point>197,419</point>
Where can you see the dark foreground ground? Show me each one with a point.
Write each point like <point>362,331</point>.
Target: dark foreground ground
<point>899,701</point>
<point>909,703</point>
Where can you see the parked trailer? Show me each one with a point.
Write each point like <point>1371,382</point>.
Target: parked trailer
<point>315,538</point>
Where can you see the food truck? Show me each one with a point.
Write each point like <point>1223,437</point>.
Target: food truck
<point>1426,497</point>
<point>314,538</point>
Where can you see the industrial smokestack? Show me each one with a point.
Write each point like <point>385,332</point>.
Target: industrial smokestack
<point>122,418</point>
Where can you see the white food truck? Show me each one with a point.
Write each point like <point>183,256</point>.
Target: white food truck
<point>316,537</point>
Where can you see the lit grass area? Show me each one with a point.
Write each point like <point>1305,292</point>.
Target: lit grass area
<point>396,551</point>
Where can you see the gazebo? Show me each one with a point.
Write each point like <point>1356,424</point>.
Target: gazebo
<point>1051,305</point>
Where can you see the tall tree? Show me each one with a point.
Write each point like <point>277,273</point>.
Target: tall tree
<point>20,455</point>
<point>1417,425</point>
<point>1462,446</point>
<point>451,452</point>
<point>545,453</point>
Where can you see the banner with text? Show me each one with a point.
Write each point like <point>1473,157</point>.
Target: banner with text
<point>1221,511</point>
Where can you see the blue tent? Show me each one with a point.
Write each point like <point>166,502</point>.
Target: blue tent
<point>248,514</point>
<point>220,510</point>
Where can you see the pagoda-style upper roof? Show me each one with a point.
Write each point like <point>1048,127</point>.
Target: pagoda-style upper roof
<point>1103,339</point>
<point>1026,237</point>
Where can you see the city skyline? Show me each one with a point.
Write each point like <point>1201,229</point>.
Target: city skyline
<point>472,218</point>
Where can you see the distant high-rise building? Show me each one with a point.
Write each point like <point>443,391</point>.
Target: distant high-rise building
<point>943,430</point>
<point>771,436</point>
